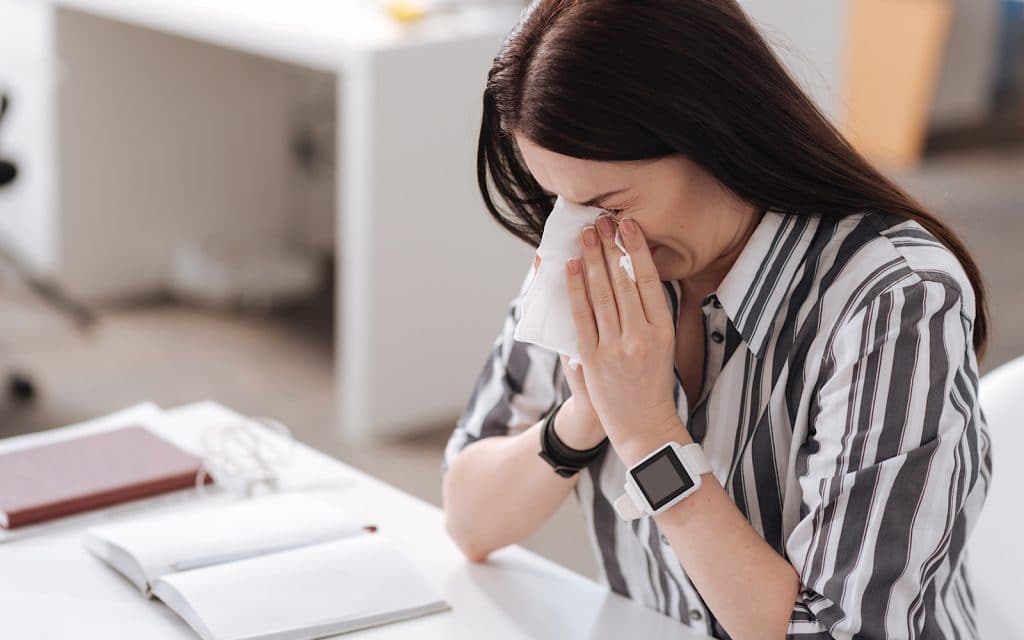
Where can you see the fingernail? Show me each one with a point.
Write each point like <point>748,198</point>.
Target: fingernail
<point>574,266</point>
<point>605,226</point>
<point>628,226</point>
<point>590,237</point>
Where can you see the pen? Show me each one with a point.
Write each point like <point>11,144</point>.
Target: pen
<point>203,561</point>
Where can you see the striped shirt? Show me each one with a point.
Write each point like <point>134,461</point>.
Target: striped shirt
<point>839,410</point>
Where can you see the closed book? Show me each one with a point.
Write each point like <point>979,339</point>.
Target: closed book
<point>89,472</point>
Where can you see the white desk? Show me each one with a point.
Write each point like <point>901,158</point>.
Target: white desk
<point>51,587</point>
<point>411,232</point>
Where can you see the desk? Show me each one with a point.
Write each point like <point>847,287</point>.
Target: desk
<point>408,218</point>
<point>51,587</point>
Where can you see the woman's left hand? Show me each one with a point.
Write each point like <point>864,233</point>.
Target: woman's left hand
<point>626,334</point>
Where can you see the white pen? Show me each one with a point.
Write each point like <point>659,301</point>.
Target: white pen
<point>205,561</point>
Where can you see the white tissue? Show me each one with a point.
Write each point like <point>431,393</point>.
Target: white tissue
<point>545,313</point>
<point>624,260</point>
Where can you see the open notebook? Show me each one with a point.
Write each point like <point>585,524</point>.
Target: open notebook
<point>280,567</point>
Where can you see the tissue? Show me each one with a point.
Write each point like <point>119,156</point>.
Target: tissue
<point>545,313</point>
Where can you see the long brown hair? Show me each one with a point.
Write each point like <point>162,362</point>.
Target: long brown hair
<point>611,80</point>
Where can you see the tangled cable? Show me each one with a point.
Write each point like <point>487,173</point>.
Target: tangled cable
<point>243,456</point>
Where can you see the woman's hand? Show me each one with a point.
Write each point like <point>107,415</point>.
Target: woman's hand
<point>626,334</point>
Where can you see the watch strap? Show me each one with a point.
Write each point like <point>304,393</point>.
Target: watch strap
<point>694,460</point>
<point>565,460</point>
<point>626,508</point>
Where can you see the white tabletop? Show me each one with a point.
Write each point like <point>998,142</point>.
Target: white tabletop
<point>51,587</point>
<point>321,33</point>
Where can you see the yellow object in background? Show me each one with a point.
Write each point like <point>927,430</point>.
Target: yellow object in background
<point>404,11</point>
<point>892,70</point>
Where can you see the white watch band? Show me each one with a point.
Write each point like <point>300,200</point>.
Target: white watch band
<point>694,459</point>
<point>626,507</point>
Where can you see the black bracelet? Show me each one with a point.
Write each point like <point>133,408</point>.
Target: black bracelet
<point>565,460</point>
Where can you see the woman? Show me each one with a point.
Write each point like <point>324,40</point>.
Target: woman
<point>796,314</point>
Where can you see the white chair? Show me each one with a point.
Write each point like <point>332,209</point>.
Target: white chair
<point>996,546</point>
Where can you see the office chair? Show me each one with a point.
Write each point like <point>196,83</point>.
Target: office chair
<point>994,552</point>
<point>20,386</point>
<point>8,171</point>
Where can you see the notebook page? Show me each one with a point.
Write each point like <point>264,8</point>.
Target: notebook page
<point>210,534</point>
<point>304,593</point>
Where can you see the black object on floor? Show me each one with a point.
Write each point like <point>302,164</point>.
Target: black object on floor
<point>8,171</point>
<point>21,389</point>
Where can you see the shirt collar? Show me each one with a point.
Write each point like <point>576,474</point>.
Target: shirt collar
<point>760,278</point>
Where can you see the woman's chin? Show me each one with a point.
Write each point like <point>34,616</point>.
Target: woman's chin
<point>669,266</point>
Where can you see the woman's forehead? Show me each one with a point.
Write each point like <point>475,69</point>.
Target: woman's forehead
<point>574,178</point>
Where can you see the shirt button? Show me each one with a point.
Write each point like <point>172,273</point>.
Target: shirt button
<point>695,615</point>
<point>717,337</point>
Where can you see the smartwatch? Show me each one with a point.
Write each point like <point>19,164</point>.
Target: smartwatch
<point>663,478</point>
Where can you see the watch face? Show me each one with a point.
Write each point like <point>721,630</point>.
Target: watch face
<point>662,478</point>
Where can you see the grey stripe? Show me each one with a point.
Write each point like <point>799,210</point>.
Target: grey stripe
<point>733,481</point>
<point>786,255</point>
<point>483,382</point>
<point>910,232</point>
<point>497,419</point>
<point>664,575</point>
<point>823,527</point>
<point>759,277</point>
<point>851,538</point>
<point>654,574</point>
<point>903,501</point>
<point>795,342</point>
<point>654,541</point>
<point>673,297</point>
<point>605,521</point>
<point>769,493</point>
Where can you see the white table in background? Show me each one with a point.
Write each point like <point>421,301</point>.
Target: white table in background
<point>411,232</point>
<point>51,587</point>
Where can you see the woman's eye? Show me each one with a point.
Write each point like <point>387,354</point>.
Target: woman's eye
<point>614,212</point>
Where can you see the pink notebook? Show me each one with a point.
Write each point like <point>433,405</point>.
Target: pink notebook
<point>52,480</point>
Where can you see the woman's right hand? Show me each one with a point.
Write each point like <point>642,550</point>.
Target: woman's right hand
<point>577,424</point>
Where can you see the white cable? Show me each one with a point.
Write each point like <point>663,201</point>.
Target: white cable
<point>242,456</point>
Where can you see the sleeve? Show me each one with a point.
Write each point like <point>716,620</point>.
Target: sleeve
<point>892,473</point>
<point>515,388</point>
